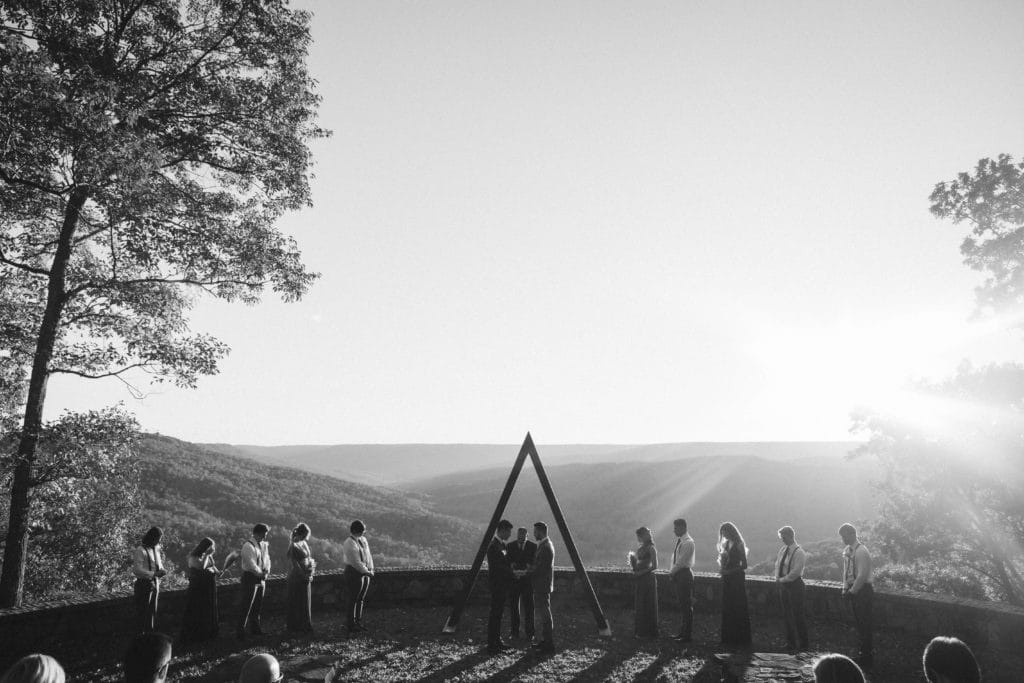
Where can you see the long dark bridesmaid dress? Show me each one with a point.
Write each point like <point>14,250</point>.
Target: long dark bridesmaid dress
<point>300,580</point>
<point>645,595</point>
<point>735,616</point>
<point>200,620</point>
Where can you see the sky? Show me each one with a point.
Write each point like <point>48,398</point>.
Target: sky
<point>617,223</point>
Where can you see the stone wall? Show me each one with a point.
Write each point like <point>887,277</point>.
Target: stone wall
<point>85,624</point>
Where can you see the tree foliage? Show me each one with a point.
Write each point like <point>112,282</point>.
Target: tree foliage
<point>991,201</point>
<point>953,496</point>
<point>86,502</point>
<point>147,148</point>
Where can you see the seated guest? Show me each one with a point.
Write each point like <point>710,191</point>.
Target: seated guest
<point>34,669</point>
<point>147,659</point>
<point>262,668</point>
<point>836,668</point>
<point>949,660</point>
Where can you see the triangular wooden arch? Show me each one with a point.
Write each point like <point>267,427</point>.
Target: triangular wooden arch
<point>528,449</point>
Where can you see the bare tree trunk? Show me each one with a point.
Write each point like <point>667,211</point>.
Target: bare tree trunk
<point>12,579</point>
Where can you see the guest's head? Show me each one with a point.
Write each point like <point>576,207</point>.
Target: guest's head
<point>836,668</point>
<point>643,535</point>
<point>504,529</point>
<point>300,532</point>
<point>679,526</point>
<point>147,659</point>
<point>729,534</point>
<point>34,669</point>
<point>152,537</point>
<point>521,534</point>
<point>540,531</point>
<point>262,668</point>
<point>260,531</point>
<point>787,534</point>
<point>848,533</point>
<point>949,660</point>
<point>204,547</point>
<point>357,528</point>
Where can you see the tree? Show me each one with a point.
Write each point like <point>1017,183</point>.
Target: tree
<point>86,501</point>
<point>953,497</point>
<point>147,148</point>
<point>991,200</point>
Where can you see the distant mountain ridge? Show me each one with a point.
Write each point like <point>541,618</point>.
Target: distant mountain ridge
<point>397,464</point>
<point>604,503</point>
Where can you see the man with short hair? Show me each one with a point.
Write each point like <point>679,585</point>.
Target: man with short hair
<point>789,571</point>
<point>358,572</point>
<point>261,668</point>
<point>147,659</point>
<point>521,553</point>
<point>542,575</point>
<point>500,577</point>
<point>857,589</point>
<point>254,559</point>
<point>681,575</point>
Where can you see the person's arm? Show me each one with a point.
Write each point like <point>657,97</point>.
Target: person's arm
<point>140,564</point>
<point>369,557</point>
<point>247,559</point>
<point>863,569</point>
<point>265,547</point>
<point>796,568</point>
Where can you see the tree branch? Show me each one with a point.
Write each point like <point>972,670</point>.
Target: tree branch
<point>23,266</point>
<point>86,375</point>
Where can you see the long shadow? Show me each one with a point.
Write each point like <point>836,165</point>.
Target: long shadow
<point>323,664</point>
<point>457,667</point>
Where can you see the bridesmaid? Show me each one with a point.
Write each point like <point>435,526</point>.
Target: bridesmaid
<point>645,601</point>
<point>732,560</point>
<point>300,578</point>
<point>201,620</point>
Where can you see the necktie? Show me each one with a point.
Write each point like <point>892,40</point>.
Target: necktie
<point>782,562</point>
<point>675,553</point>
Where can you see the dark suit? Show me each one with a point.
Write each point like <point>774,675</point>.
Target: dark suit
<point>499,572</point>
<point>521,594</point>
<point>543,580</point>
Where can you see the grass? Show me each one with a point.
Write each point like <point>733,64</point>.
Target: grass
<point>406,644</point>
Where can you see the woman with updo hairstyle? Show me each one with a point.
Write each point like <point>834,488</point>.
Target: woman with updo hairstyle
<point>732,562</point>
<point>34,669</point>
<point>643,561</point>
<point>300,580</point>
<point>200,621</point>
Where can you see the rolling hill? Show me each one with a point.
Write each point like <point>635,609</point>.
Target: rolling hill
<point>395,464</point>
<point>604,503</point>
<point>191,491</point>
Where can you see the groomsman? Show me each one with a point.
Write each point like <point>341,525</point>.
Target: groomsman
<point>500,576</point>
<point>254,559</point>
<point>521,554</point>
<point>681,574</point>
<point>358,572</point>
<point>789,571</point>
<point>543,578</point>
<point>857,589</point>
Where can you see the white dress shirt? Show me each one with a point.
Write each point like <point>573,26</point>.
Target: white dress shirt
<point>357,554</point>
<point>255,557</point>
<point>795,558</point>
<point>684,554</point>
<point>146,562</point>
<point>856,567</point>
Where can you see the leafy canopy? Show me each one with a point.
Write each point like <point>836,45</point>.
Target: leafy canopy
<point>172,135</point>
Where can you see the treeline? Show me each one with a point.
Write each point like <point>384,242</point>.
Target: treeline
<point>192,492</point>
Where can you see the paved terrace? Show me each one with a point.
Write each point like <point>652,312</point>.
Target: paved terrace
<point>407,609</point>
